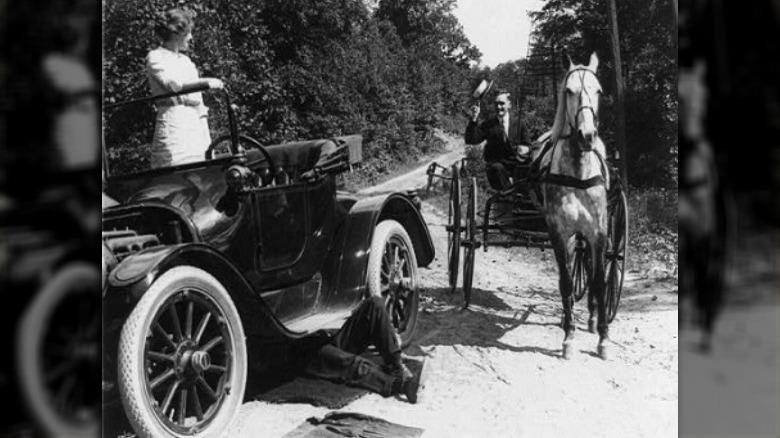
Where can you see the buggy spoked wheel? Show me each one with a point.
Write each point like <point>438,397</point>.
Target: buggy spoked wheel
<point>470,243</point>
<point>580,270</point>
<point>182,357</point>
<point>615,259</point>
<point>392,274</point>
<point>453,229</point>
<point>58,353</point>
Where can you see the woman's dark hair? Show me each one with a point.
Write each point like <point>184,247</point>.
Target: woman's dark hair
<point>178,22</point>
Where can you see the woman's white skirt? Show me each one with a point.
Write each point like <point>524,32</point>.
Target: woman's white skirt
<point>181,135</point>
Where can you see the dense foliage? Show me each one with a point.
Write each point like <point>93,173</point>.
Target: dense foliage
<point>393,71</point>
<point>648,49</point>
<point>649,59</point>
<point>300,69</point>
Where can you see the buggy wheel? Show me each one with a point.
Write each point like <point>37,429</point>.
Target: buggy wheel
<point>58,353</point>
<point>615,260</point>
<point>580,270</point>
<point>470,243</point>
<point>453,229</point>
<point>392,275</point>
<point>183,358</point>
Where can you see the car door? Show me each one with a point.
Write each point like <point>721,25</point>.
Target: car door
<point>282,214</point>
<point>294,226</point>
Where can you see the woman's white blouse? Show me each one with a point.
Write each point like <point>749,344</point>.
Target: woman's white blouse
<point>181,133</point>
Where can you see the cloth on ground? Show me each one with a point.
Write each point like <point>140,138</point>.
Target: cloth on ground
<point>349,424</point>
<point>321,392</point>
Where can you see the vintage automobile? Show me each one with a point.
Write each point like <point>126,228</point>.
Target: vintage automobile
<point>215,270</point>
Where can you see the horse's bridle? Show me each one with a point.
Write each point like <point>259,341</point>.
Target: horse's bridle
<point>572,128</point>
<point>544,175</point>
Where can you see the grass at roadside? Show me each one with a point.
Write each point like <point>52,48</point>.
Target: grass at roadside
<point>372,172</point>
<point>653,242</point>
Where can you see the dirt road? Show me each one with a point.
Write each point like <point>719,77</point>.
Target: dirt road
<point>417,178</point>
<point>496,369</point>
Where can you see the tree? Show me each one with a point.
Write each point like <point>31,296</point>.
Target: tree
<point>300,69</point>
<point>650,68</point>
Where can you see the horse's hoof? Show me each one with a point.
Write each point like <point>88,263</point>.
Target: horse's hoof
<point>568,350</point>
<point>603,351</point>
<point>592,325</point>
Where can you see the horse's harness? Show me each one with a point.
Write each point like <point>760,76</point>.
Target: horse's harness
<point>543,175</point>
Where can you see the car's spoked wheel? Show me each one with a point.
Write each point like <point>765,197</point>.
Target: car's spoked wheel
<point>58,353</point>
<point>393,276</point>
<point>453,229</point>
<point>470,243</point>
<point>615,260</point>
<point>182,363</point>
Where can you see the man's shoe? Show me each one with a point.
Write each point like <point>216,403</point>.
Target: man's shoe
<point>412,386</point>
<point>399,372</point>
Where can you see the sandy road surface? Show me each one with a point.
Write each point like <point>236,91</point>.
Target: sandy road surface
<point>496,369</point>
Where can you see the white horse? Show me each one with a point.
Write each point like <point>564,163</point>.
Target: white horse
<point>702,238</point>
<point>574,182</point>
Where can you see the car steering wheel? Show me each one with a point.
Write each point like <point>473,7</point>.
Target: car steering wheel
<point>251,143</point>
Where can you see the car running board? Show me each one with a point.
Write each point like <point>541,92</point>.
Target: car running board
<point>319,321</point>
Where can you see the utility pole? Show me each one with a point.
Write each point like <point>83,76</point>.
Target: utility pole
<point>676,24</point>
<point>553,65</point>
<point>621,107</point>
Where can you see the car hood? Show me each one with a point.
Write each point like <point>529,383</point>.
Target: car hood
<point>198,193</point>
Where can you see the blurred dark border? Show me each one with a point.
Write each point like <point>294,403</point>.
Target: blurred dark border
<point>50,215</point>
<point>732,390</point>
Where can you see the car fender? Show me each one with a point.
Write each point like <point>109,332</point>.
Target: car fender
<point>362,220</point>
<point>133,276</point>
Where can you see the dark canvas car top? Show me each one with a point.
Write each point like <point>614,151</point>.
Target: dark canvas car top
<point>302,155</point>
<point>305,155</point>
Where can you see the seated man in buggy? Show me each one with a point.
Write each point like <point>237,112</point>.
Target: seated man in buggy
<point>507,154</point>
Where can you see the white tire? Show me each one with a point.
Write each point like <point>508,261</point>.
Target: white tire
<point>206,347</point>
<point>52,382</point>
<point>392,274</point>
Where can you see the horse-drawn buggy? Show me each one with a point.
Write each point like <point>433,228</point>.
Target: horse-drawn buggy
<point>509,219</point>
<point>572,201</point>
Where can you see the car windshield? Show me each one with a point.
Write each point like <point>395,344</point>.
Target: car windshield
<point>163,131</point>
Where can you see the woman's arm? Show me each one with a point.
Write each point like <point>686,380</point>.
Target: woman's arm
<point>213,83</point>
<point>165,70</point>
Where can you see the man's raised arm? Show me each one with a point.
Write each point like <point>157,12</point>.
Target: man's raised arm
<point>474,133</point>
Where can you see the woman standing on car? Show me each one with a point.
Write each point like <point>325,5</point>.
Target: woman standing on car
<point>181,133</point>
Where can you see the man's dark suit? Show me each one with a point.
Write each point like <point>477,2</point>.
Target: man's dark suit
<point>500,149</point>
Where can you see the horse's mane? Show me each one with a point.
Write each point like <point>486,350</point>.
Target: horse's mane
<point>560,113</point>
